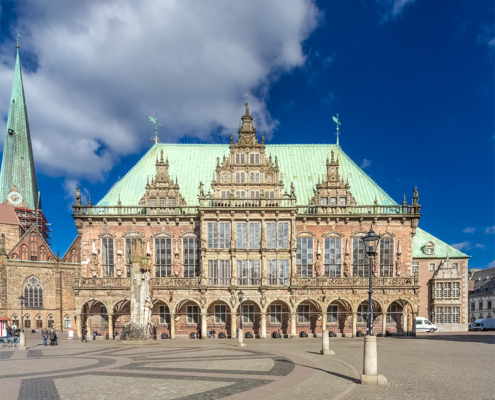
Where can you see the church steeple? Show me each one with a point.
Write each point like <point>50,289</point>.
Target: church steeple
<point>17,162</point>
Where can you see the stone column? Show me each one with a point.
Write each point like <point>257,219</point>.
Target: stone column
<point>370,364</point>
<point>203,327</point>
<point>172,326</point>
<point>89,335</point>
<point>414,315</point>
<point>384,324</point>
<point>233,325</point>
<point>110,326</point>
<point>354,324</point>
<point>293,331</point>
<point>79,326</point>
<point>405,320</point>
<point>263,325</point>
<point>325,344</point>
<point>323,321</point>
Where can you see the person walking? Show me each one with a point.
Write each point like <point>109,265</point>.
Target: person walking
<point>53,337</point>
<point>44,335</point>
<point>84,333</point>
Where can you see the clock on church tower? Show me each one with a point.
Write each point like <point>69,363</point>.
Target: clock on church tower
<point>14,198</point>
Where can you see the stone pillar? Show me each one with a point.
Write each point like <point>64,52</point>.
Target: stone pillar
<point>79,326</point>
<point>323,321</point>
<point>203,327</point>
<point>413,330</point>
<point>233,325</point>
<point>110,326</point>
<point>384,324</point>
<point>370,374</point>
<point>263,325</point>
<point>89,335</point>
<point>172,326</point>
<point>325,344</point>
<point>22,341</point>
<point>240,340</point>
<point>354,324</point>
<point>405,319</point>
<point>293,331</point>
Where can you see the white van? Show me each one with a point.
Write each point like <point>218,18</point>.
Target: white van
<point>484,324</point>
<point>423,325</point>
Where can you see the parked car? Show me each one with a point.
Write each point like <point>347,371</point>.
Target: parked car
<point>470,326</point>
<point>486,324</point>
<point>423,325</point>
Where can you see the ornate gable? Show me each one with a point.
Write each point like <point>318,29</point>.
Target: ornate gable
<point>333,191</point>
<point>162,191</point>
<point>446,270</point>
<point>247,174</point>
<point>32,247</point>
<point>73,253</point>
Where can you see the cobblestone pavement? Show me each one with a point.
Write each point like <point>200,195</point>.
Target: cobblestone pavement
<point>431,366</point>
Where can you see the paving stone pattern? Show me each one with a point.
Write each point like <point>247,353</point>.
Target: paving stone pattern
<point>437,366</point>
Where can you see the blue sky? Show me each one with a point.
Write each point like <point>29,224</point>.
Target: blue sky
<point>412,81</point>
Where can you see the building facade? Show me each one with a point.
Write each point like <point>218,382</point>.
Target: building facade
<point>281,223</point>
<point>482,295</point>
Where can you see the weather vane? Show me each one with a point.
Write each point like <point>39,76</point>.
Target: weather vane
<point>17,38</point>
<point>336,120</point>
<point>155,122</point>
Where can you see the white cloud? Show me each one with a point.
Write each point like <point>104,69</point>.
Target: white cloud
<point>390,9</point>
<point>491,265</point>
<point>366,163</point>
<point>462,246</point>
<point>469,229</point>
<point>330,98</point>
<point>104,67</point>
<point>480,246</point>
<point>490,229</point>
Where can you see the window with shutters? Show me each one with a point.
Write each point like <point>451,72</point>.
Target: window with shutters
<point>277,236</point>
<point>304,257</point>
<point>163,257</point>
<point>303,314</point>
<point>220,314</point>
<point>278,272</point>
<point>386,257</point>
<point>190,257</point>
<point>219,272</point>
<point>248,272</point>
<point>276,314</point>
<point>254,158</point>
<point>107,257</point>
<point>333,257</point>
<point>218,235</point>
<point>360,261</point>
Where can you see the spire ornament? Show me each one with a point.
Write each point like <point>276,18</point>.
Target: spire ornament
<point>336,120</point>
<point>155,122</point>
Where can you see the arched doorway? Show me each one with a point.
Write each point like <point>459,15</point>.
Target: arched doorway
<point>121,315</point>
<point>94,318</point>
<point>251,319</point>
<point>399,317</point>
<point>160,318</point>
<point>219,319</point>
<point>277,318</point>
<point>339,316</point>
<point>188,318</point>
<point>362,318</point>
<point>307,314</point>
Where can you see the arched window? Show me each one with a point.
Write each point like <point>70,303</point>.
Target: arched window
<point>43,253</point>
<point>27,321</point>
<point>50,321</point>
<point>39,321</point>
<point>15,320</point>
<point>33,245</point>
<point>73,256</point>
<point>67,322</point>
<point>33,292</point>
<point>24,252</point>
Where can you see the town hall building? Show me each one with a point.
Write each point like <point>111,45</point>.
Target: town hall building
<point>281,223</point>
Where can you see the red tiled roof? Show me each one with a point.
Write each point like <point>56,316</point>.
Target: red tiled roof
<point>8,215</point>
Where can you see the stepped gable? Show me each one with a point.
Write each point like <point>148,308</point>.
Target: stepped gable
<point>32,247</point>
<point>162,191</point>
<point>247,172</point>
<point>333,191</point>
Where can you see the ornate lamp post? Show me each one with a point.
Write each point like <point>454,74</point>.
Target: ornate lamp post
<point>241,334</point>
<point>370,362</point>
<point>22,338</point>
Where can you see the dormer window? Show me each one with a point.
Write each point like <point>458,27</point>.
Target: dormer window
<point>323,201</point>
<point>254,159</point>
<point>430,248</point>
<point>153,202</point>
<point>239,159</point>
<point>333,201</point>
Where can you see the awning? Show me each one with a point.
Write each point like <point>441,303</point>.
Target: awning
<point>3,318</point>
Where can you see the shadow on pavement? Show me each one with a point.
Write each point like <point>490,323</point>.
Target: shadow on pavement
<point>476,337</point>
<point>349,378</point>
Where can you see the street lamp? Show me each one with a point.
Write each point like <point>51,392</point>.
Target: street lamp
<point>22,339</point>
<point>370,240</point>
<point>370,361</point>
<point>241,335</point>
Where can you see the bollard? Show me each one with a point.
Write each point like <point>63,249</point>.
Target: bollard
<point>22,341</point>
<point>241,339</point>
<point>370,364</point>
<point>325,344</point>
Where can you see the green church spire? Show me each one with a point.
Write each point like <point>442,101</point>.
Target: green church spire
<point>17,161</point>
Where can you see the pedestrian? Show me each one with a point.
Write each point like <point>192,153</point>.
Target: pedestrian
<point>84,333</point>
<point>94,334</point>
<point>53,337</point>
<point>44,335</point>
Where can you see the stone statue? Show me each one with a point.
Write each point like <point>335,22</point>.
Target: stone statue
<point>201,190</point>
<point>292,190</point>
<point>317,268</point>
<point>3,252</point>
<point>397,266</point>
<point>78,196</point>
<point>415,195</point>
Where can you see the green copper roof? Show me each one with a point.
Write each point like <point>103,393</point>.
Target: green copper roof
<point>17,161</point>
<point>192,163</point>
<point>442,249</point>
